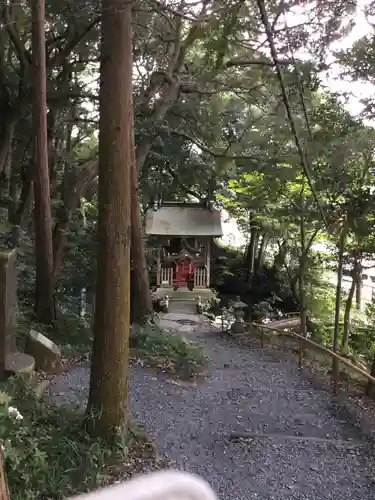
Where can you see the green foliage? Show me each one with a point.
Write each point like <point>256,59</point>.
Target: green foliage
<point>48,454</point>
<point>320,296</point>
<point>70,332</point>
<point>166,350</point>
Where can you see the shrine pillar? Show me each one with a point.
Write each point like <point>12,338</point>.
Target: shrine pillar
<point>208,264</point>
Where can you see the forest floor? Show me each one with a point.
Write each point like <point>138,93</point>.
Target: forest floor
<point>305,443</point>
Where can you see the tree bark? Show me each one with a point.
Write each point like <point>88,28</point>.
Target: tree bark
<point>348,308</point>
<point>251,250</point>
<point>279,259</point>
<point>356,274</point>
<point>108,383</point>
<point>6,155</point>
<point>44,288</point>
<point>259,262</point>
<point>71,197</point>
<point>26,198</point>
<point>336,329</point>
<point>301,278</point>
<point>358,291</point>
<point>141,304</point>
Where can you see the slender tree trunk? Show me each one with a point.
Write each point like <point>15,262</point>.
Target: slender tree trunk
<point>358,291</point>
<point>301,279</point>
<point>251,250</point>
<point>279,259</point>
<point>346,328</point>
<point>70,198</point>
<point>108,383</point>
<point>6,136</point>
<point>44,290</point>
<point>261,253</point>
<point>141,304</point>
<point>356,274</point>
<point>25,203</point>
<point>336,328</point>
<point>7,163</point>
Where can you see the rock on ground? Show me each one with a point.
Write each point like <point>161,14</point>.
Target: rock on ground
<point>261,392</point>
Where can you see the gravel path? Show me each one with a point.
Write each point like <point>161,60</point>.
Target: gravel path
<point>259,392</point>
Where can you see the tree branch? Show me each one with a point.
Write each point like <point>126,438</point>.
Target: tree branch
<point>66,50</point>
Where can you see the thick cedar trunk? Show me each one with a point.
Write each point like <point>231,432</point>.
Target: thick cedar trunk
<point>110,357</point>
<point>141,304</point>
<point>44,289</point>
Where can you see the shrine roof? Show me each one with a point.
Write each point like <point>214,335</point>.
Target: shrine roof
<point>183,219</point>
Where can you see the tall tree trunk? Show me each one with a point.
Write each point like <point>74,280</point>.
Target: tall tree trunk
<point>251,250</point>
<point>356,274</point>
<point>7,162</point>
<point>141,304</point>
<point>26,198</point>
<point>110,358</point>
<point>70,198</point>
<point>44,289</point>
<point>336,328</point>
<point>279,259</point>
<point>261,253</point>
<point>346,328</point>
<point>358,291</point>
<point>301,278</point>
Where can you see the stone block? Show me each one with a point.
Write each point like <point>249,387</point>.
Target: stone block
<point>46,353</point>
<point>8,306</point>
<point>19,363</point>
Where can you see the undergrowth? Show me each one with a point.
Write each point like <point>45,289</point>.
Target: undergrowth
<point>154,346</point>
<point>48,454</point>
<point>166,350</point>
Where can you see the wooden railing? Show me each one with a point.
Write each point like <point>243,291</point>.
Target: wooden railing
<point>166,276</point>
<point>305,343</point>
<point>200,277</point>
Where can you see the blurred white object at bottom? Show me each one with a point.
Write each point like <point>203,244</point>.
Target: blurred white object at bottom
<point>164,485</point>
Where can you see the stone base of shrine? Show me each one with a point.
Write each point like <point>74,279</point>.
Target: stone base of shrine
<point>185,294</point>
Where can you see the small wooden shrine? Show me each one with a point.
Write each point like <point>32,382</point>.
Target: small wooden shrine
<point>185,232</point>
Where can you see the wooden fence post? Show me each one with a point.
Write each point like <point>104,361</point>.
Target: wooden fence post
<point>4,489</point>
<point>262,337</point>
